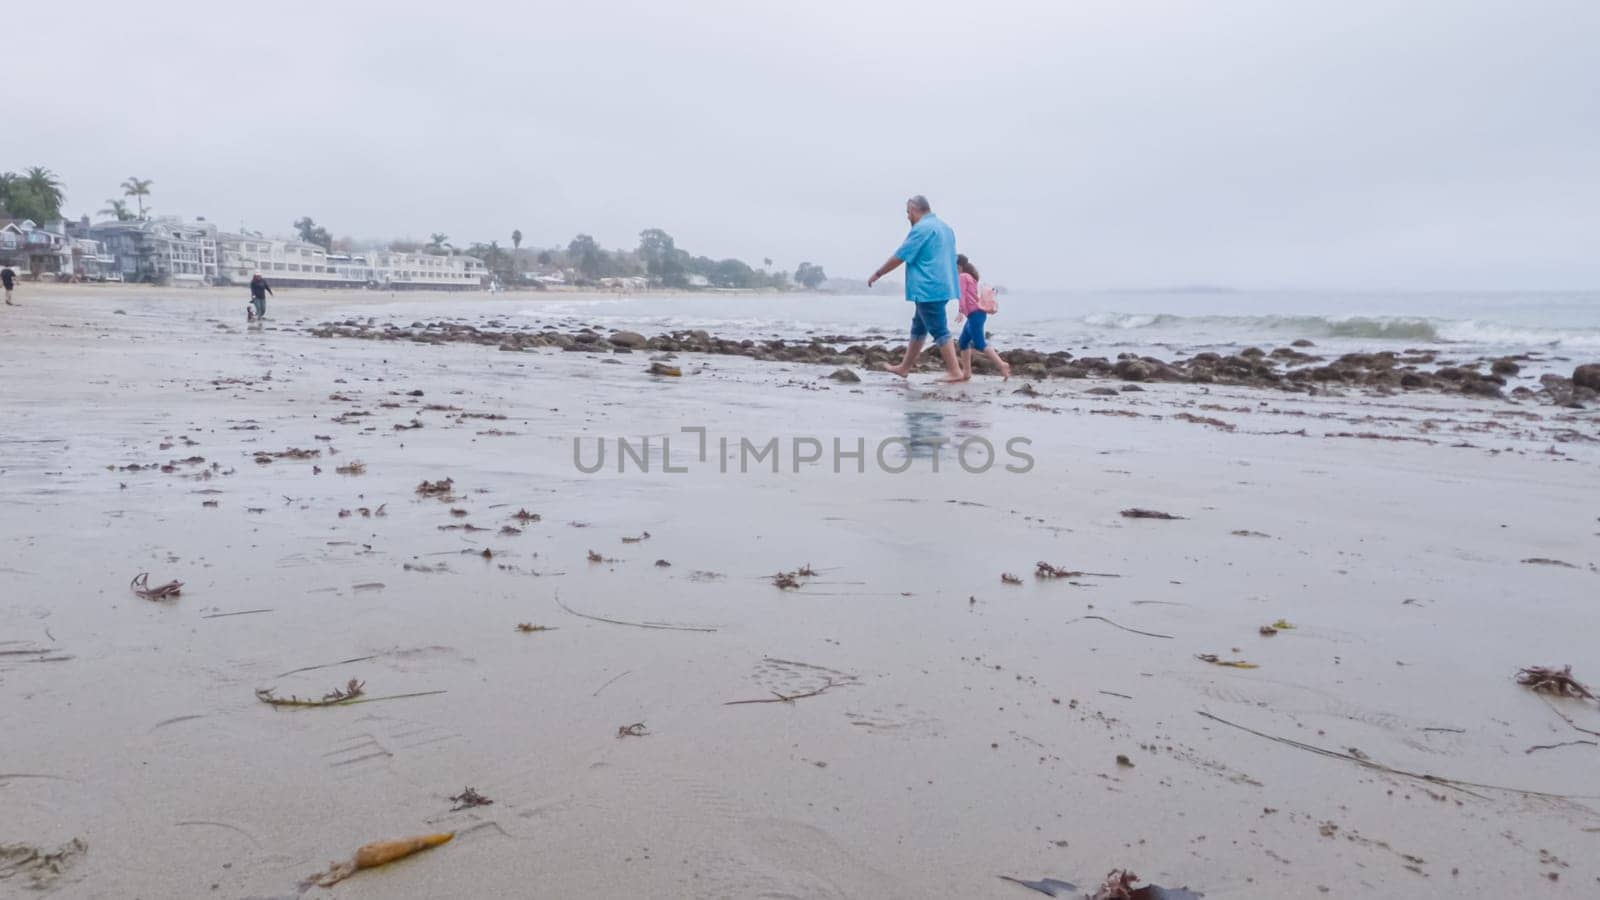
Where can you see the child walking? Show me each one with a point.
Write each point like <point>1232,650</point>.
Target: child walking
<point>976,307</point>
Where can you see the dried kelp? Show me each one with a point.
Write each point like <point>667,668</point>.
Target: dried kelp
<point>440,489</point>
<point>1216,660</point>
<point>349,692</point>
<point>791,580</point>
<point>141,586</point>
<point>1550,680</point>
<point>1118,885</point>
<point>1046,571</point>
<point>264,457</point>
<point>1137,513</point>
<point>375,854</point>
<point>469,798</point>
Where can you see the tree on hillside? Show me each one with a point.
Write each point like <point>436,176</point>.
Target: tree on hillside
<point>663,261</point>
<point>312,233</point>
<point>584,255</point>
<point>118,209</point>
<point>732,273</point>
<point>545,258</point>
<point>811,277</point>
<point>138,189</point>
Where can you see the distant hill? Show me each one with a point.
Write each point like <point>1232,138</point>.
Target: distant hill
<point>1178,289</point>
<point>859,286</point>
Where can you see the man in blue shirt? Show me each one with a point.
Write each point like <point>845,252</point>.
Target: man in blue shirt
<point>929,255</point>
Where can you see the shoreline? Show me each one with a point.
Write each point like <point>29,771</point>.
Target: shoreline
<point>567,292</point>
<point>1287,368</point>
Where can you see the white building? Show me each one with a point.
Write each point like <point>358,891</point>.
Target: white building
<point>292,263</point>
<point>286,262</point>
<point>411,271</point>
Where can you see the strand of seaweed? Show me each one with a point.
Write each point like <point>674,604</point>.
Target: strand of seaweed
<point>790,698</point>
<point>1123,627</point>
<point>657,625</point>
<point>349,695</point>
<point>1454,783</point>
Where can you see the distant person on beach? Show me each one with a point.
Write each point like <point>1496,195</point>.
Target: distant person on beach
<point>929,255</point>
<point>977,302</point>
<point>259,289</point>
<point>8,278</point>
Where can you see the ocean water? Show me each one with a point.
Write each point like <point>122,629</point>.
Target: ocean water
<point>1557,328</point>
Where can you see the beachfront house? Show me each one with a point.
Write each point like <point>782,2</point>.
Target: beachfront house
<point>29,249</point>
<point>91,261</point>
<point>161,251</point>
<point>61,251</point>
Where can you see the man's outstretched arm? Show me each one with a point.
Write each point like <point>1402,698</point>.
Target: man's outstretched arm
<point>893,263</point>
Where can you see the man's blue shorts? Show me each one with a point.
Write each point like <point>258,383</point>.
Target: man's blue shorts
<point>929,322</point>
<point>972,332</point>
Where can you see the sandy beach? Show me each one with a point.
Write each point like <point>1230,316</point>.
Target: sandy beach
<point>932,727</point>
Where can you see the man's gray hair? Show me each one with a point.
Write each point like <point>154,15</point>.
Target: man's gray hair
<point>919,203</point>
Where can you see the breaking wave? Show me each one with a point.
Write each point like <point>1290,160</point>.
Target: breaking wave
<point>1384,328</point>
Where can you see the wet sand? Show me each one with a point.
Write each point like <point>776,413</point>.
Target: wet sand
<point>972,728</point>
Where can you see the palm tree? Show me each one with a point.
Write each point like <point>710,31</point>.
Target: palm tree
<point>137,188</point>
<point>8,183</point>
<point>436,240</point>
<point>117,208</point>
<point>516,238</point>
<point>46,189</point>
<point>767,262</point>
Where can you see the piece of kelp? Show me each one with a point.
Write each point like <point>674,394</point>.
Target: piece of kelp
<point>1052,887</point>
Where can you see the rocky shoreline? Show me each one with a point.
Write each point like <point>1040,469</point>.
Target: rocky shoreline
<point>1296,368</point>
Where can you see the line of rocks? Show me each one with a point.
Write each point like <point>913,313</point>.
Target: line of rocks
<point>1285,368</point>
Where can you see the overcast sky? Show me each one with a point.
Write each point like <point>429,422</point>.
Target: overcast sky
<point>1109,143</point>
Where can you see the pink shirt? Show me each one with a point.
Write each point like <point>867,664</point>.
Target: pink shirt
<point>969,295</point>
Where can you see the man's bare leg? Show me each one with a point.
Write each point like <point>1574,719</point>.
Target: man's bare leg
<point>952,366</point>
<point>1002,365</point>
<point>913,350</point>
